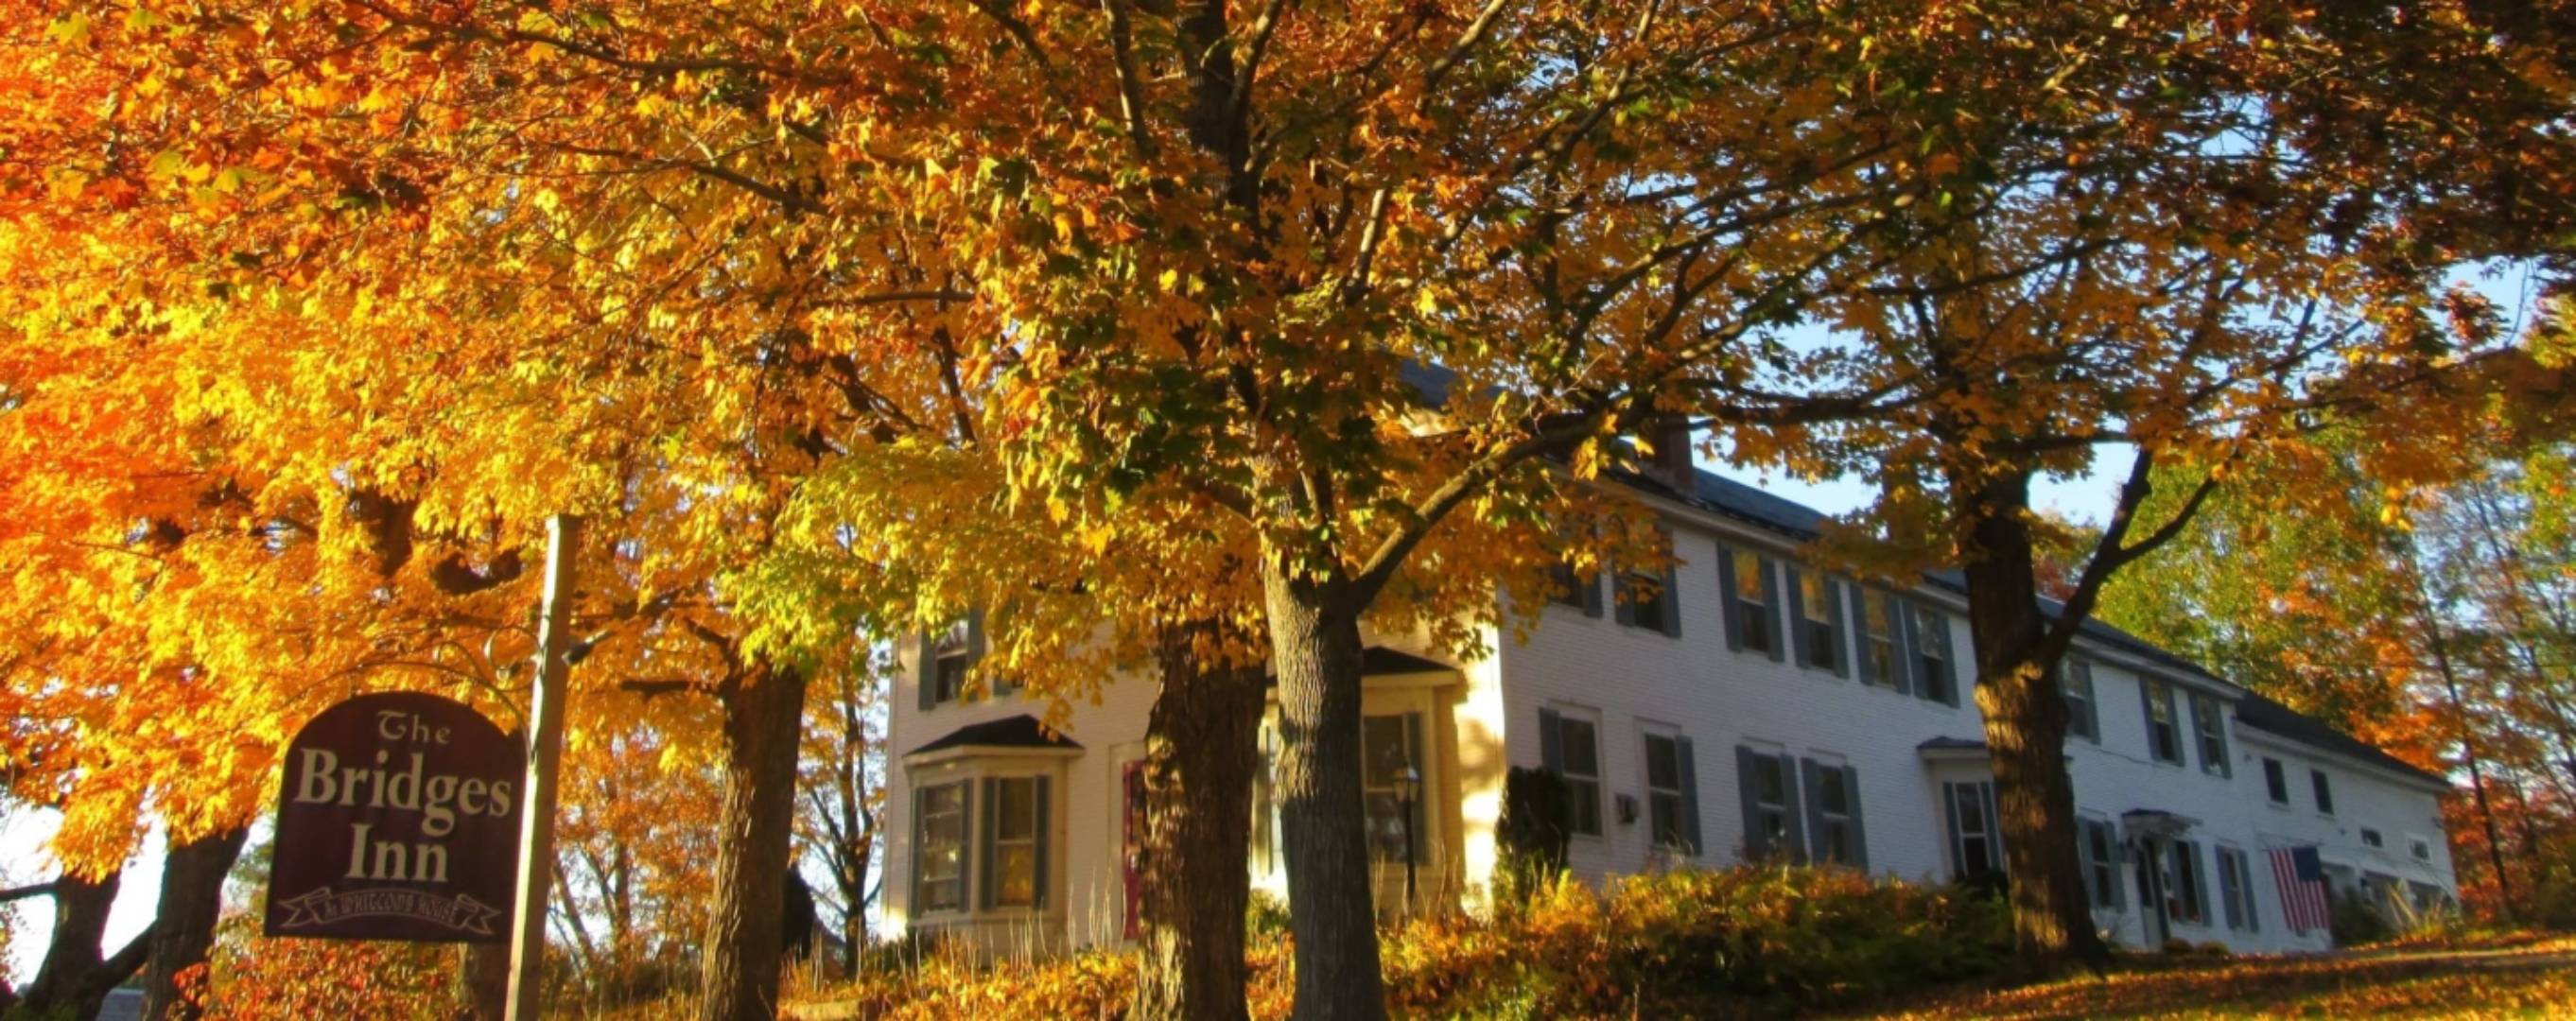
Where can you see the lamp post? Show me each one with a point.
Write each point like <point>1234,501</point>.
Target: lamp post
<point>1408,789</point>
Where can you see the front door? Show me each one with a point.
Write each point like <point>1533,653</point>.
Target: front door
<point>2151,891</point>
<point>1396,778</point>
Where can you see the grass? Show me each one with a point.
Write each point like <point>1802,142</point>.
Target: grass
<point>2527,976</point>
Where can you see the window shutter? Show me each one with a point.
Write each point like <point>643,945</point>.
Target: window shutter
<point>966,872</point>
<point>983,844</point>
<point>1902,640</point>
<point>1994,825</point>
<point>1958,838</point>
<point>1690,793</point>
<point>928,673</point>
<point>1045,836</point>
<point>1551,743</point>
<point>1590,587</point>
<point>1730,611</point>
<point>2085,861</point>
<point>1757,841</point>
<point>2092,707</point>
<point>2231,888</point>
<point>1797,606</point>
<point>1622,608</point>
<point>2200,889</point>
<point>1842,633</point>
<point>2253,904</point>
<point>1859,833</point>
<point>1772,605</point>
<point>1797,829</point>
<point>1811,781</point>
<point>2147,708</point>
<point>1672,601</point>
<point>2119,884</point>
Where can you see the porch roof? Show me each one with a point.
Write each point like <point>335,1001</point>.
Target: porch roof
<point>1021,731</point>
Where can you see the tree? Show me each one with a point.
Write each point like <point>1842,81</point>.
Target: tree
<point>843,783</point>
<point>2201,273</point>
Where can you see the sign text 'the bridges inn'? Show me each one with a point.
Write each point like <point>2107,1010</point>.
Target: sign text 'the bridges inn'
<point>398,818</point>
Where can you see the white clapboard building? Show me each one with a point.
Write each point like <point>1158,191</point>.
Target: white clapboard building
<point>1756,706</point>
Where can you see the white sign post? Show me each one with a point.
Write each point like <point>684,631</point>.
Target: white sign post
<point>545,747</point>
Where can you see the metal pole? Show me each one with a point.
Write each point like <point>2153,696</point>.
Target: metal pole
<point>545,746</point>
<point>1412,792</point>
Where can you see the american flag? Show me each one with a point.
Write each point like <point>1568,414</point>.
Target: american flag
<point>2301,878</point>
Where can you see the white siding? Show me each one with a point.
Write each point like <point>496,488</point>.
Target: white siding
<point>1634,678</point>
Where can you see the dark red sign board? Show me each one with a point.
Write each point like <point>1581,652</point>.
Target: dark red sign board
<point>398,819</point>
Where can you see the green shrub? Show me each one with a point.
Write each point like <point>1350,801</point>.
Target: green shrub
<point>1697,943</point>
<point>2355,920</point>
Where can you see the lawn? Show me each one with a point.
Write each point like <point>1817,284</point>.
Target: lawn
<point>2526,977</point>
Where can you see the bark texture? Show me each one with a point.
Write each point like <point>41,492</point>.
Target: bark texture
<point>762,718</point>
<point>1201,751</point>
<point>183,924</point>
<point>487,981</point>
<point>2025,721</point>
<point>75,976</point>
<point>1315,652</point>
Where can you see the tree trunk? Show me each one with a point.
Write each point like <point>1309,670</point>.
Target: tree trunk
<point>75,976</point>
<point>1315,652</point>
<point>1201,747</point>
<point>742,949</point>
<point>2025,722</point>
<point>183,925</point>
<point>487,981</point>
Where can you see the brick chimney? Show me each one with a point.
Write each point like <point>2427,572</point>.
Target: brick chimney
<point>1671,463</point>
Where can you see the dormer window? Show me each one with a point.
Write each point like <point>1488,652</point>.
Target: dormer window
<point>945,658</point>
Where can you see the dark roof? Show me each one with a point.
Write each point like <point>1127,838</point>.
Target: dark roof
<point>1022,731</point>
<point>1379,659</point>
<point>1950,744</point>
<point>2265,714</point>
<point>1718,494</point>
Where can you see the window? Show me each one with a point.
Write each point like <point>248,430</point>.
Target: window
<point>1391,748</point>
<point>1932,649</point>
<point>1878,639</point>
<point>2209,718</point>
<point>2371,838</point>
<point>1012,841</point>
<point>2421,848</point>
<point>1646,601</point>
<point>1772,800</point>
<point>1975,849</point>
<point>939,868</point>
<point>1753,611</point>
<point>1650,600</point>
<point>1666,818</point>
<point>2164,733</point>
<point>2276,781</point>
<point>2323,791</point>
<point>1837,840</point>
<point>2188,900</point>
<point>2236,890</point>
<point>1581,591</point>
<point>1580,765</point>
<point>2101,863</point>
<point>946,657</point>
<point>1820,622</point>
<point>2075,678</point>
